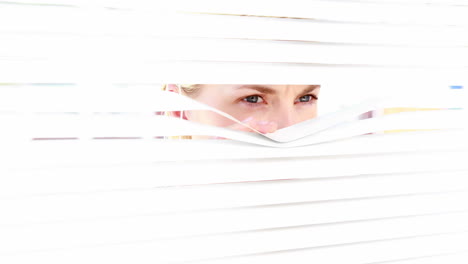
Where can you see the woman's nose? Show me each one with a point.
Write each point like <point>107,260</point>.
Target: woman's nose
<point>285,116</point>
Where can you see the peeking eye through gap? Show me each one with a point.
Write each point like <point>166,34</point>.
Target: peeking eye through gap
<point>254,99</point>
<point>266,108</point>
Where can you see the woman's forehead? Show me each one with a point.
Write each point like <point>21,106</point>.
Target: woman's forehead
<point>265,88</point>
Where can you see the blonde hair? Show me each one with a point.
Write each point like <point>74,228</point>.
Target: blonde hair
<point>187,89</point>
<point>190,90</point>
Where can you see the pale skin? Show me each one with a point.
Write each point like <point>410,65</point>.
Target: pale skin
<point>265,108</point>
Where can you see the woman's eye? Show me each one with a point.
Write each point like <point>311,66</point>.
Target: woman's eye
<point>306,98</point>
<point>253,99</point>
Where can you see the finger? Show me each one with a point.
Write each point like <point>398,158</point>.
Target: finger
<point>265,127</point>
<point>262,126</point>
<point>243,126</point>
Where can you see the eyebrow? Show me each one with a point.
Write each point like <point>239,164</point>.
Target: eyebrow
<point>268,90</point>
<point>260,88</point>
<point>310,88</point>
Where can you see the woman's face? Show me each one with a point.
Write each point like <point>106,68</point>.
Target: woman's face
<point>280,105</point>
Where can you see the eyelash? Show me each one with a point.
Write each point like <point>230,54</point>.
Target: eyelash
<point>313,98</point>
<point>254,95</point>
<point>244,99</point>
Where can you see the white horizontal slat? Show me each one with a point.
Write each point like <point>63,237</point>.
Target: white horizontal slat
<point>339,11</point>
<point>27,239</point>
<point>123,4</point>
<point>213,72</point>
<point>82,26</point>
<point>374,12</point>
<point>353,253</point>
<point>76,126</point>
<point>426,2</point>
<point>410,120</point>
<point>361,253</point>
<point>131,50</point>
<point>454,258</point>
<point>42,204</point>
<point>94,98</point>
<point>63,3</point>
<point>83,152</point>
<point>70,174</point>
<point>205,222</point>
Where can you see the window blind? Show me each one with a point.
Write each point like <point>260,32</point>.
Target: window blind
<point>86,177</point>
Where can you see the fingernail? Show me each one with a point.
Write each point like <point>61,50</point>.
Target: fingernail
<point>264,122</point>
